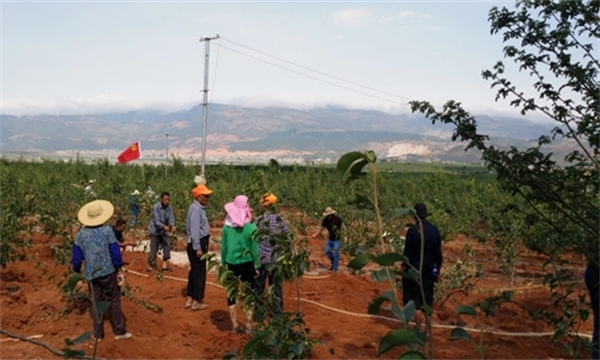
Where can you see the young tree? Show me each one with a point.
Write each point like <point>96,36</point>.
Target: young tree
<point>554,42</point>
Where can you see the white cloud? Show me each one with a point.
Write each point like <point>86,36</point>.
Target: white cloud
<point>93,105</point>
<point>431,28</point>
<point>351,17</point>
<point>425,16</point>
<point>405,14</point>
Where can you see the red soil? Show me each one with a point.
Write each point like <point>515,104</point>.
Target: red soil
<point>30,305</point>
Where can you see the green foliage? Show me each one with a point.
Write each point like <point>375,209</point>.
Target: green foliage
<point>459,276</point>
<point>554,42</point>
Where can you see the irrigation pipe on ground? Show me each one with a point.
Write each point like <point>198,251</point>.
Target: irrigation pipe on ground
<point>441,326</point>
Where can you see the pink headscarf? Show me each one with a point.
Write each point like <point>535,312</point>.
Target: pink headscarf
<point>239,212</point>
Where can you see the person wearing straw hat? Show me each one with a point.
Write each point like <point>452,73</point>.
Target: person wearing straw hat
<point>97,247</point>
<point>239,253</point>
<point>198,236</point>
<point>432,259</point>
<point>334,225</point>
<point>271,230</point>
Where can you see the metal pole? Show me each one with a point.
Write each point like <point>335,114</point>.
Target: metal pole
<point>167,156</point>
<point>205,102</point>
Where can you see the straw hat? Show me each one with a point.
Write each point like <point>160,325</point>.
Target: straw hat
<point>328,211</point>
<point>95,213</point>
<point>135,192</point>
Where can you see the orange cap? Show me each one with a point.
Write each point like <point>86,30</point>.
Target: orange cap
<point>201,190</point>
<point>268,199</point>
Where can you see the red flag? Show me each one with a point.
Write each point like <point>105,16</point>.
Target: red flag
<point>131,153</point>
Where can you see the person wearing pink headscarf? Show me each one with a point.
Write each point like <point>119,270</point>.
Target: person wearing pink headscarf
<point>239,253</point>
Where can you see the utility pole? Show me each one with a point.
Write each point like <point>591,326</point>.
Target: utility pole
<point>205,103</point>
<point>167,156</point>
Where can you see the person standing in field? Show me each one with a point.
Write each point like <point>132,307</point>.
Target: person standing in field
<point>432,259</point>
<point>592,282</point>
<point>239,253</point>
<point>96,246</point>
<point>198,236</point>
<point>162,222</point>
<point>134,204</point>
<point>271,229</point>
<point>334,225</point>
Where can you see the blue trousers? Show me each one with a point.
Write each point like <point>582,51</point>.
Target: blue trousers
<point>332,250</point>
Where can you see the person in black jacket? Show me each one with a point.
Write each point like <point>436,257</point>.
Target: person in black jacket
<point>432,260</point>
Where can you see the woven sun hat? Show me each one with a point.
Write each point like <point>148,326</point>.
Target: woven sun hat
<point>328,211</point>
<point>135,192</point>
<point>95,213</point>
<point>268,199</point>
<point>239,211</point>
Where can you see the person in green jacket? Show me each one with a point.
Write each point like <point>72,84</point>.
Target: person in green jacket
<point>239,253</point>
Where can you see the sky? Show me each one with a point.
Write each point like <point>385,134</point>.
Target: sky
<point>75,57</point>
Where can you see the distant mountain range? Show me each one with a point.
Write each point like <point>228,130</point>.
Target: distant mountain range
<point>249,134</point>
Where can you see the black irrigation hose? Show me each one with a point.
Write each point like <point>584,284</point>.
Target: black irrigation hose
<point>36,342</point>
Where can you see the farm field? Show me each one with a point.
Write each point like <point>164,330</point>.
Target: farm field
<point>334,304</point>
<point>31,306</point>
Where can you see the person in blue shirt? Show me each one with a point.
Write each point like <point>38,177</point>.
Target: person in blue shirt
<point>162,222</point>
<point>198,237</point>
<point>432,259</point>
<point>96,248</point>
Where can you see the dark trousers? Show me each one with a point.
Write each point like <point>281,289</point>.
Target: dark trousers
<point>106,288</point>
<point>155,241</point>
<point>196,275</point>
<point>275,281</point>
<point>243,271</point>
<point>595,297</point>
<point>411,290</point>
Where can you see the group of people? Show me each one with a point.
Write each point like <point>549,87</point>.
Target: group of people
<point>247,251</point>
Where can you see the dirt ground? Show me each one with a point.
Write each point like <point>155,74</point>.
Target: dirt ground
<point>30,305</point>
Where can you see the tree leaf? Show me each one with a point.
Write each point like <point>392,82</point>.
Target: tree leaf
<point>73,280</point>
<point>398,213</point>
<point>396,338</point>
<point>81,338</point>
<point>412,355</point>
<point>375,306</point>
<point>371,156</point>
<point>253,343</point>
<point>466,310</point>
<point>360,261</point>
<point>346,160</point>
<point>358,166</point>
<point>409,311</point>
<point>388,259</point>
<point>381,275</point>
<point>101,307</point>
<point>459,333</point>
<point>70,353</point>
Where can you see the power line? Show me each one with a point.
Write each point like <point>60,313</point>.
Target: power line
<point>312,77</point>
<point>317,71</point>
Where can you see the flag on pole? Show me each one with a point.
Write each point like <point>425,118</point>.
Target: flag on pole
<point>131,153</point>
